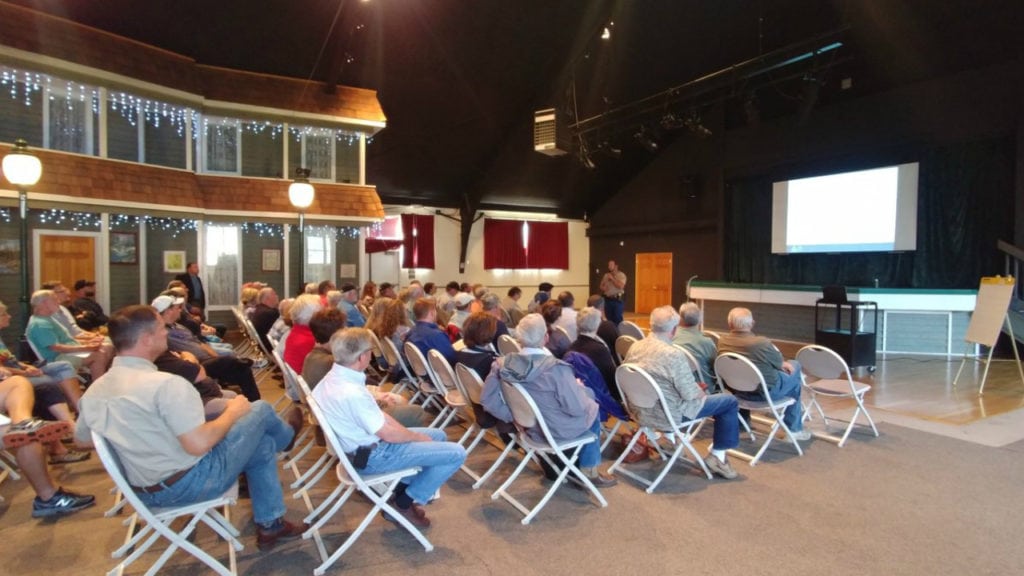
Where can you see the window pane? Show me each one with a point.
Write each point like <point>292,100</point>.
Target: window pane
<point>320,241</point>
<point>222,147</point>
<point>68,124</point>
<point>318,156</point>
<point>220,273</point>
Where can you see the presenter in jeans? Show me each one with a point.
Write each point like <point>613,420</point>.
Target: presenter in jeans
<point>613,287</point>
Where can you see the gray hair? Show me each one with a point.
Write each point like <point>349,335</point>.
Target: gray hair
<point>690,313</point>
<point>333,298</point>
<point>531,331</point>
<point>348,344</point>
<point>741,319</point>
<point>490,301</point>
<point>588,320</point>
<point>304,307</point>
<point>40,296</point>
<point>264,292</point>
<point>664,320</point>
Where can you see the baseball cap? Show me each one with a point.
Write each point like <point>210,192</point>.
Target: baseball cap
<point>162,303</point>
<point>347,287</point>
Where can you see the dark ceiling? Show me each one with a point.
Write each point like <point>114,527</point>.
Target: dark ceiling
<point>459,80</point>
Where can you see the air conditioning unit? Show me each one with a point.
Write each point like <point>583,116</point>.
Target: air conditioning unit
<point>550,134</point>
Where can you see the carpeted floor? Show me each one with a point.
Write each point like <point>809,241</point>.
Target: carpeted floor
<point>908,502</point>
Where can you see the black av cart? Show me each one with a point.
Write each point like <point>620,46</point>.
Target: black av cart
<point>847,327</point>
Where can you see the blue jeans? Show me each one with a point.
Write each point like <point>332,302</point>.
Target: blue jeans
<point>590,454</point>
<point>251,446</point>
<point>789,386</point>
<point>724,409</point>
<point>613,308</point>
<point>53,373</point>
<point>437,460</point>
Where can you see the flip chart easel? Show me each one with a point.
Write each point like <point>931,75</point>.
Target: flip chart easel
<point>990,315</point>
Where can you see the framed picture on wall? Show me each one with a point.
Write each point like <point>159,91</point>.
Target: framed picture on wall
<point>124,248</point>
<point>271,260</point>
<point>174,261</point>
<point>10,257</point>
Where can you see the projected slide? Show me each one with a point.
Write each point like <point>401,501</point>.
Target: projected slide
<point>865,211</point>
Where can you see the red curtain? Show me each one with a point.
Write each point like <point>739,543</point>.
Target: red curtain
<point>503,244</point>
<point>391,227</point>
<point>419,241</point>
<point>548,245</point>
<point>374,245</point>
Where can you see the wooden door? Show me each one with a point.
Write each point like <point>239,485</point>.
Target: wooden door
<point>66,258</point>
<point>653,283</point>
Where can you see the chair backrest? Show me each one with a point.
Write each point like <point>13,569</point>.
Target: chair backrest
<point>739,374</point>
<point>291,379</point>
<point>524,411</point>
<point>640,390</point>
<point>715,336</point>
<point>418,365</point>
<point>508,345</point>
<point>442,370</point>
<point>471,385</point>
<point>563,331</point>
<point>346,472</point>
<point>695,366</point>
<point>375,343</point>
<point>823,363</point>
<point>622,345</point>
<point>393,358</point>
<point>628,328</point>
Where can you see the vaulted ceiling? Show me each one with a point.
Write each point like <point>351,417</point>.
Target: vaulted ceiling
<point>459,80</point>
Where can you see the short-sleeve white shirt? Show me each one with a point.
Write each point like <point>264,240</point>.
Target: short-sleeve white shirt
<point>349,407</point>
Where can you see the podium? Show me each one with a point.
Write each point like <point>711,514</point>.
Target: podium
<point>848,328</point>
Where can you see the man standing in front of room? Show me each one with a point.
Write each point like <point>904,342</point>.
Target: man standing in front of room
<point>613,287</point>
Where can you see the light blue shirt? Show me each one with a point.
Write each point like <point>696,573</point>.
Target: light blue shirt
<point>354,316</point>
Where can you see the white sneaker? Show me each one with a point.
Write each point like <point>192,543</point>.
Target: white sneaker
<point>802,435</point>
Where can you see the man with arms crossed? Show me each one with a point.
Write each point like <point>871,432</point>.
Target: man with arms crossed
<point>171,455</point>
<point>375,442</point>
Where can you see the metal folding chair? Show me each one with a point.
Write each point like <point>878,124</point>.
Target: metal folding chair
<point>471,388</point>
<point>831,378</point>
<point>508,345</point>
<point>528,417</point>
<point>740,375</point>
<point>639,390</point>
<point>622,345</point>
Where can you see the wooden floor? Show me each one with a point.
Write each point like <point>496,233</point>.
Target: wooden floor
<point>921,387</point>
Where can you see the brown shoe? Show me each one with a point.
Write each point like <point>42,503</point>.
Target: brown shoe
<point>282,531</point>
<point>294,418</point>
<point>638,453</point>
<point>414,514</point>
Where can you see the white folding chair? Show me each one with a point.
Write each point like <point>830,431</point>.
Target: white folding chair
<point>627,328</point>
<point>622,345</point>
<point>394,359</point>
<point>432,391</point>
<point>529,418</point>
<point>508,345</point>
<point>8,468</point>
<point>157,522</point>
<point>715,336</point>
<point>471,387</point>
<point>695,366</point>
<point>375,487</point>
<point>444,380</point>
<point>832,379</point>
<point>740,375</point>
<point>639,390</point>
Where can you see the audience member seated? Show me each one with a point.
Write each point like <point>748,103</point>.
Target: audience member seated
<point>491,304</point>
<point>61,374</point>
<point>477,292</point>
<point>426,334</point>
<point>511,306</point>
<point>248,299</point>
<point>54,344</point>
<point>349,298</point>
<point>543,295</point>
<point>463,302</point>
<point>320,360</point>
<point>369,294</point>
<point>567,406</point>
<point>283,323</point>
<point>171,455</point>
<point>781,376</point>
<point>300,338</point>
<point>25,437</point>
<point>689,336</point>
<point>322,289</point>
<point>558,343</point>
<point>387,290</point>
<point>228,369</point>
<point>88,312</point>
<point>479,356</point>
<point>686,400</point>
<point>446,301</point>
<point>389,320</point>
<point>567,321</point>
<point>265,314</point>
<point>607,331</point>
<point>373,441</point>
<point>188,367</point>
<point>588,344</point>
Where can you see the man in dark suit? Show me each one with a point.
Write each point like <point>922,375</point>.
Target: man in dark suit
<point>196,292</point>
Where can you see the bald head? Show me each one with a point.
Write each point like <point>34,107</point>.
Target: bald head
<point>741,320</point>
